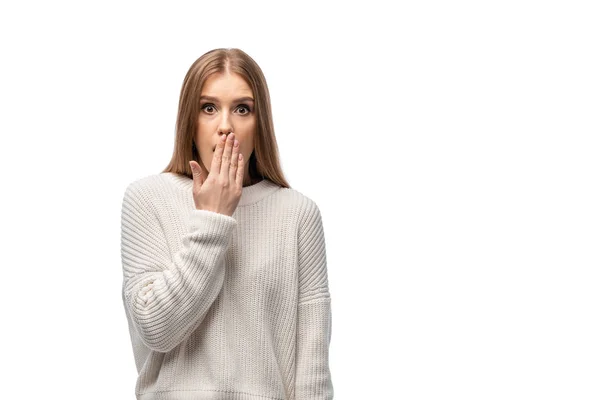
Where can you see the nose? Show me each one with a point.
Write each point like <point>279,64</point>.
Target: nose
<point>225,126</point>
<point>221,133</point>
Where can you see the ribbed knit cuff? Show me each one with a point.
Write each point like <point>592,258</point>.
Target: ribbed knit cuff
<point>216,222</point>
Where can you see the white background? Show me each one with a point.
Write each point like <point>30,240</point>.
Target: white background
<point>452,148</point>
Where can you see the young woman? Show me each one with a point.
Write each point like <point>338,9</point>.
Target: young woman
<point>225,283</point>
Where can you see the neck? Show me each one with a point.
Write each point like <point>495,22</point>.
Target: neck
<point>249,181</point>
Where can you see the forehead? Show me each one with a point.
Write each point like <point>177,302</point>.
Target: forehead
<point>225,85</point>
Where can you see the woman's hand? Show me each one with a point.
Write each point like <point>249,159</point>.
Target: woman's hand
<point>221,191</point>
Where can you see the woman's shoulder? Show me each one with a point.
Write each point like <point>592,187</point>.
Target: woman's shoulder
<point>166,184</point>
<point>141,183</point>
<point>161,184</point>
<point>298,201</point>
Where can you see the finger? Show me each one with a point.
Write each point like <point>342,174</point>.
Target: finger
<point>234,161</point>
<point>215,167</point>
<point>226,160</point>
<point>240,171</point>
<point>197,177</point>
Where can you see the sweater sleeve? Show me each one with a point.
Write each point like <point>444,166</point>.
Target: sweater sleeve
<point>313,378</point>
<point>167,295</point>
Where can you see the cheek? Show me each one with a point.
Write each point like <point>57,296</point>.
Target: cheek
<point>246,145</point>
<point>246,150</point>
<point>207,158</point>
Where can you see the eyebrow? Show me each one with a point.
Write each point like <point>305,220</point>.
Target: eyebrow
<point>211,98</point>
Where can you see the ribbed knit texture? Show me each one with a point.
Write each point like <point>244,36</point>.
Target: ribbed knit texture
<point>225,308</point>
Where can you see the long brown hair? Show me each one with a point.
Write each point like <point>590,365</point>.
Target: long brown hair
<point>264,160</point>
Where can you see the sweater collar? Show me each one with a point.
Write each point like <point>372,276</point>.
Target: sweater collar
<point>250,194</point>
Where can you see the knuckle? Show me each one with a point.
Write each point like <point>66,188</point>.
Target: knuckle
<point>222,182</point>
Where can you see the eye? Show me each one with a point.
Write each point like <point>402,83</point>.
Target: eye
<point>245,107</point>
<point>211,106</point>
<point>208,105</point>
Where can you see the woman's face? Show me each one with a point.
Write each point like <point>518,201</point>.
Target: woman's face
<point>226,105</point>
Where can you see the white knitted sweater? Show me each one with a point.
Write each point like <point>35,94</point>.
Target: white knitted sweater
<point>225,308</point>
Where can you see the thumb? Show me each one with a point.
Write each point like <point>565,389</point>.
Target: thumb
<point>196,173</point>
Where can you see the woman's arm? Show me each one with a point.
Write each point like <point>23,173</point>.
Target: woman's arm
<point>313,378</point>
<point>167,297</point>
